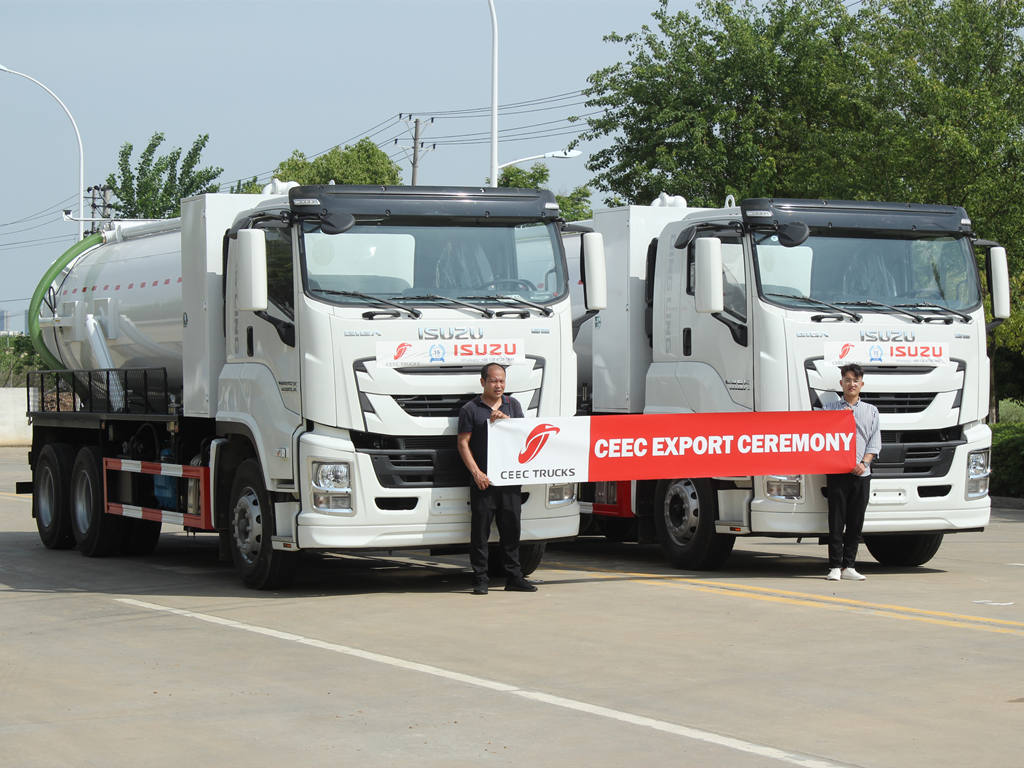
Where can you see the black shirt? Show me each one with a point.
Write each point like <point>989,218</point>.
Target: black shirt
<point>473,418</point>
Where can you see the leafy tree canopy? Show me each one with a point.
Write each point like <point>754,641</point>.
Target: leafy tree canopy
<point>361,163</point>
<point>574,206</point>
<point>155,187</point>
<point>906,100</point>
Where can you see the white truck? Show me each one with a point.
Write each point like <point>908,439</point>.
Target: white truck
<point>752,307</point>
<point>287,370</point>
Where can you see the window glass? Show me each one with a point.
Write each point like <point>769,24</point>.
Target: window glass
<point>280,288</point>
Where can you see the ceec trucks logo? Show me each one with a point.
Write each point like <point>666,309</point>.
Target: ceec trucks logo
<point>401,350</point>
<point>847,348</point>
<point>536,440</point>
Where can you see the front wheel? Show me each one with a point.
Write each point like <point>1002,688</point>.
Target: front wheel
<point>903,549</point>
<point>251,532</point>
<point>684,517</point>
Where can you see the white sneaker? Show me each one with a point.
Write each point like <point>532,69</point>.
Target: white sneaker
<point>833,574</point>
<point>851,575</point>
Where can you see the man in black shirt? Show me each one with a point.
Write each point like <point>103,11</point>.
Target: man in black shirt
<point>488,502</point>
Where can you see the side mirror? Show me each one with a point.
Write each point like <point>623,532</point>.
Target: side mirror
<point>595,284</point>
<point>685,238</point>
<point>1000,282</point>
<point>333,223</point>
<point>793,233</point>
<point>250,261</point>
<point>708,292</point>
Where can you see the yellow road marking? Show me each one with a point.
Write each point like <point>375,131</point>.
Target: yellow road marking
<point>18,496</point>
<point>790,597</point>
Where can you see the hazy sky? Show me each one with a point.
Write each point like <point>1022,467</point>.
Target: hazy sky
<point>264,78</point>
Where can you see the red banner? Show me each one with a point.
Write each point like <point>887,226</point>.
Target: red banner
<point>651,447</point>
<point>720,445</point>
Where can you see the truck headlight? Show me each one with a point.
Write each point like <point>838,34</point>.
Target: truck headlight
<point>787,487</point>
<point>977,473</point>
<point>561,494</point>
<point>332,487</point>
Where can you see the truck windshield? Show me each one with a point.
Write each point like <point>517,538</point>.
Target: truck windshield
<point>409,261</point>
<point>845,268</point>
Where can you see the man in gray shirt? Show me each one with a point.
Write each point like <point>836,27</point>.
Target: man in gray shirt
<point>848,492</point>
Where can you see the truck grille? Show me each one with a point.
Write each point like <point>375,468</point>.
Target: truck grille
<point>917,453</point>
<point>899,402</point>
<point>432,405</point>
<point>413,462</point>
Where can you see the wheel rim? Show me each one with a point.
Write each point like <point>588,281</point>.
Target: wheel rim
<point>46,499</point>
<point>681,511</point>
<point>246,526</point>
<point>83,501</point>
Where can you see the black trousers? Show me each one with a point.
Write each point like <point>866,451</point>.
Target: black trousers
<point>503,504</point>
<point>847,500</point>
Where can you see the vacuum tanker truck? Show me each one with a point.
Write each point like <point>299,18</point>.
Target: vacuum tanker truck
<point>286,370</point>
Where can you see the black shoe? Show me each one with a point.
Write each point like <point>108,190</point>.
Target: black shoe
<point>480,588</point>
<point>520,585</point>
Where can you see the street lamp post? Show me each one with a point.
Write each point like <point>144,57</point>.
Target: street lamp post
<point>559,154</point>
<point>81,153</point>
<point>494,95</point>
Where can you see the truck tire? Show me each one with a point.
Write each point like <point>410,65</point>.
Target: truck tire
<point>140,536</point>
<point>904,549</point>
<point>97,534</point>
<point>51,485</point>
<point>530,555</point>
<point>684,517</point>
<point>251,531</point>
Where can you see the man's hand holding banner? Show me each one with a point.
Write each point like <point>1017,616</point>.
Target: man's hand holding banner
<point>649,447</point>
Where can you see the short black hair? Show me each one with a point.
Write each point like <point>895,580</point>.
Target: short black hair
<point>853,368</point>
<point>487,366</point>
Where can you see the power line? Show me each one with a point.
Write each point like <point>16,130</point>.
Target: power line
<point>44,211</point>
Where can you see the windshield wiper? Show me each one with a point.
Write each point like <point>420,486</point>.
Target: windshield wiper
<point>413,312</point>
<point>434,297</point>
<point>868,303</point>
<point>964,318</point>
<point>547,311</point>
<point>817,302</point>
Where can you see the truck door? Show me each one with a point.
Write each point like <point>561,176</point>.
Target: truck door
<point>268,338</point>
<point>722,340</point>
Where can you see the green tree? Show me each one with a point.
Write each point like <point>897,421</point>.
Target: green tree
<point>910,100</point>
<point>154,189</point>
<point>251,187</point>
<point>361,163</point>
<point>17,357</point>
<point>574,207</point>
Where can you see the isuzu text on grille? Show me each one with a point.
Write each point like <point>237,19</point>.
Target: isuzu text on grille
<point>451,333</point>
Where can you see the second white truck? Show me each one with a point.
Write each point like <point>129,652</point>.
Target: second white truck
<point>752,307</point>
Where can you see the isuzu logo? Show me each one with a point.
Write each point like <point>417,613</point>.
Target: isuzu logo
<point>450,333</point>
<point>890,335</point>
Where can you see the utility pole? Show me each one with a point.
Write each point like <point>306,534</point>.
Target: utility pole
<point>415,150</point>
<point>419,147</point>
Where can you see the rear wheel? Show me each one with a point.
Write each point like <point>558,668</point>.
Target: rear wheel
<point>904,549</point>
<point>251,532</point>
<point>51,485</point>
<point>96,533</point>
<point>684,517</point>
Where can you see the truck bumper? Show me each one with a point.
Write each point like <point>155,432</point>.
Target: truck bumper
<point>410,517</point>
